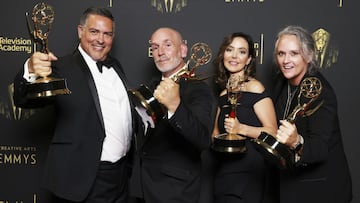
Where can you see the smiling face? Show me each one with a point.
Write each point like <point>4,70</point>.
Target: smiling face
<point>290,59</point>
<point>96,36</point>
<point>168,51</point>
<point>236,56</point>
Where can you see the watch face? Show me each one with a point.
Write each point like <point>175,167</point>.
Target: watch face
<point>298,146</point>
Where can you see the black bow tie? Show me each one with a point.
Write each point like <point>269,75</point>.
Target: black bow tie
<point>108,63</point>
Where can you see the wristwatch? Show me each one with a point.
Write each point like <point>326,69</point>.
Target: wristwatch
<point>298,145</point>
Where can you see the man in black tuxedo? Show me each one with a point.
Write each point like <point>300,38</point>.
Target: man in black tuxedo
<point>167,164</point>
<point>87,158</point>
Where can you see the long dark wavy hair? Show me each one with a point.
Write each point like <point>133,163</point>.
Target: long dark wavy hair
<point>222,74</point>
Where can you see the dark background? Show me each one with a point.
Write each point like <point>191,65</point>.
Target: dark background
<point>25,134</point>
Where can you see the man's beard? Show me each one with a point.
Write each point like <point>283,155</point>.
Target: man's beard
<point>169,67</point>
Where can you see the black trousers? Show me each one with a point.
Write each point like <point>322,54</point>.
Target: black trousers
<point>110,186</point>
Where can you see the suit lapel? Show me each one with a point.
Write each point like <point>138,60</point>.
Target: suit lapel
<point>85,69</point>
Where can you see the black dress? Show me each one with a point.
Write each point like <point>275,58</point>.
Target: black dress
<point>240,177</point>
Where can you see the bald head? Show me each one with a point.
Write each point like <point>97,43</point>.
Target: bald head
<point>171,33</point>
<point>168,50</point>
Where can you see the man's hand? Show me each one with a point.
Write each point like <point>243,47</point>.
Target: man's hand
<point>40,63</point>
<point>168,94</point>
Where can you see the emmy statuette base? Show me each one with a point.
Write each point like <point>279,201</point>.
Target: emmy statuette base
<point>47,87</point>
<point>274,151</point>
<point>229,143</point>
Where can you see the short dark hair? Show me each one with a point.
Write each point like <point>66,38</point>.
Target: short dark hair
<point>95,11</point>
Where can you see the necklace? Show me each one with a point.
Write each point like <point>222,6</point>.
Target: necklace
<point>290,96</point>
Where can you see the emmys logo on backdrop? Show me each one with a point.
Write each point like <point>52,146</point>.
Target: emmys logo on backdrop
<point>326,52</point>
<point>8,44</point>
<point>175,6</point>
<point>17,155</point>
<point>169,6</point>
<point>34,200</point>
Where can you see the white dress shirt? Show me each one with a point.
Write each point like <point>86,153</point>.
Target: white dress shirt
<point>115,109</point>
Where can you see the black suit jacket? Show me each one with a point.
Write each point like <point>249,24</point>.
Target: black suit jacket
<point>322,174</point>
<point>75,150</point>
<point>167,163</point>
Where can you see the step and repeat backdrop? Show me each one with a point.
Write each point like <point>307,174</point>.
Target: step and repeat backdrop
<point>26,133</point>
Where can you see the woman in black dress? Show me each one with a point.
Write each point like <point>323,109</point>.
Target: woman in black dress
<point>241,177</point>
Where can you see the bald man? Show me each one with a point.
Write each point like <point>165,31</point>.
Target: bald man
<point>167,163</point>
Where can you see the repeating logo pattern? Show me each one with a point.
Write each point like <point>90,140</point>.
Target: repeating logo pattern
<point>169,6</point>
<point>326,52</point>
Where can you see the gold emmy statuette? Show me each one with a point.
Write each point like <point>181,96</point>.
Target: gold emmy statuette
<point>200,55</point>
<point>42,18</point>
<point>231,142</point>
<point>279,153</point>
